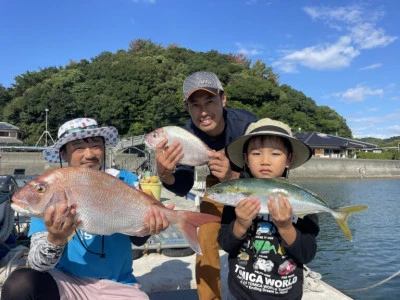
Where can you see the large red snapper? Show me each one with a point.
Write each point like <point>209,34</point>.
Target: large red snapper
<point>104,203</point>
<point>195,152</point>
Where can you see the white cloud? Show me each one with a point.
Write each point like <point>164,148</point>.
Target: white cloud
<point>249,50</point>
<point>380,132</point>
<point>366,36</point>
<point>144,1</point>
<point>371,67</point>
<point>254,2</point>
<point>359,32</point>
<point>251,2</point>
<point>348,15</point>
<point>395,129</point>
<point>285,66</point>
<point>377,126</point>
<point>333,56</point>
<point>358,94</point>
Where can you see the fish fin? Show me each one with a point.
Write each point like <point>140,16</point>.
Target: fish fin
<point>343,213</point>
<point>188,223</point>
<point>302,215</point>
<point>68,196</point>
<point>246,195</point>
<point>63,217</point>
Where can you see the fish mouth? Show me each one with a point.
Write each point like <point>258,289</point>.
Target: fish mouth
<point>147,141</point>
<point>211,196</point>
<point>20,209</point>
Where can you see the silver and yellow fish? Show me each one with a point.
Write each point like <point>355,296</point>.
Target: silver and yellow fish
<point>303,201</point>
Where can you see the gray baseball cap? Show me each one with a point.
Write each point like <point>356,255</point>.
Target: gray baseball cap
<point>205,81</point>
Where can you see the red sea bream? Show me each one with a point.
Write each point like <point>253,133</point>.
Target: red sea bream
<point>104,203</point>
<point>195,152</point>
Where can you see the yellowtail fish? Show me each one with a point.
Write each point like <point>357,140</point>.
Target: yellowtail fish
<point>104,203</point>
<point>303,202</point>
<point>195,152</point>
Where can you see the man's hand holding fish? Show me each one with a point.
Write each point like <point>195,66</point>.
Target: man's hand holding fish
<point>61,223</point>
<point>167,158</point>
<point>220,167</point>
<point>155,220</point>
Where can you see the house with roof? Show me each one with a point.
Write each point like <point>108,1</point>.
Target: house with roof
<point>10,134</point>
<point>327,145</point>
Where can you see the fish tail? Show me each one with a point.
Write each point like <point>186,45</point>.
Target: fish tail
<point>188,223</point>
<point>343,213</point>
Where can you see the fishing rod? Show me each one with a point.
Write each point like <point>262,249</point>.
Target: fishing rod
<point>374,285</point>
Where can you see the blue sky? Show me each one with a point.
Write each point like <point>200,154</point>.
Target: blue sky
<point>343,54</point>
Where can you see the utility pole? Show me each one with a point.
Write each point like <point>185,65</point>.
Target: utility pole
<point>45,133</point>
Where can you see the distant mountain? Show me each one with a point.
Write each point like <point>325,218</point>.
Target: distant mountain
<point>390,142</point>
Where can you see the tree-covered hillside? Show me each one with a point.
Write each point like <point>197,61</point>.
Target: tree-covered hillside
<point>140,89</point>
<point>390,142</point>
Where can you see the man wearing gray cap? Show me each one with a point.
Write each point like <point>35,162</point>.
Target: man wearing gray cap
<point>216,126</point>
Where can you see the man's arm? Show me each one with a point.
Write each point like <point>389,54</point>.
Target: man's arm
<point>43,255</point>
<point>183,180</point>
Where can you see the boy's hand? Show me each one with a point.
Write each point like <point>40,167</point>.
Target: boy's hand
<point>282,217</point>
<point>245,211</point>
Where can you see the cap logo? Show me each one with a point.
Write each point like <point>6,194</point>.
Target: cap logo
<point>270,128</point>
<point>204,82</point>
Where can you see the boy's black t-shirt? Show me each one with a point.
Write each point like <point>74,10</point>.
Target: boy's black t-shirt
<point>262,267</point>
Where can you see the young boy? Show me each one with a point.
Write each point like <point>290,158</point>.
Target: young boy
<point>267,253</point>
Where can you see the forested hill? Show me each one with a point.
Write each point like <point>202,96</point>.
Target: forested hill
<point>140,89</point>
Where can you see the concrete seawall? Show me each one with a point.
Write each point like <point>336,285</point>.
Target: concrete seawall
<point>34,164</point>
<point>347,168</point>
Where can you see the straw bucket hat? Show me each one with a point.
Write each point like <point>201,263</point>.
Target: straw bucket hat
<point>300,151</point>
<point>78,129</point>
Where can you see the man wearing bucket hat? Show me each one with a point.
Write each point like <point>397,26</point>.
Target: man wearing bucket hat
<point>96,264</point>
<point>216,126</point>
<point>276,246</point>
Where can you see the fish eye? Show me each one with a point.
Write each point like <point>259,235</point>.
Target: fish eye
<point>155,134</point>
<point>40,188</point>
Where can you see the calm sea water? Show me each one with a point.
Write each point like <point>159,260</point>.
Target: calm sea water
<point>374,254</point>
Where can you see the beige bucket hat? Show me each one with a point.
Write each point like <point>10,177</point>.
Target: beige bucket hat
<point>301,152</point>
